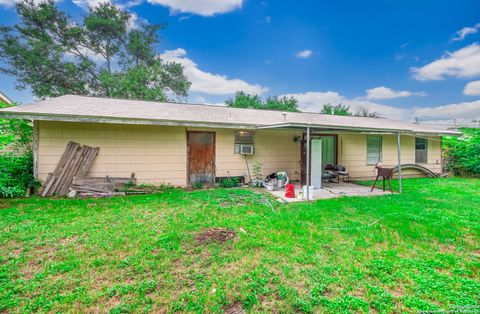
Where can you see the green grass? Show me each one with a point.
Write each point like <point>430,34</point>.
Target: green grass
<point>396,253</point>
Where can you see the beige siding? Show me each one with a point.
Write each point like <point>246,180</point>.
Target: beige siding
<point>275,150</point>
<point>353,154</point>
<point>158,154</point>
<point>155,154</point>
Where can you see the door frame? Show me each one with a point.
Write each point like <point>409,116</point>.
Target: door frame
<point>188,132</point>
<point>303,161</point>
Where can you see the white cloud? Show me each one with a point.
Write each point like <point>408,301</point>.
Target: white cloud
<point>89,3</point>
<point>464,110</point>
<point>462,113</point>
<point>383,92</point>
<point>464,62</point>
<point>472,88</point>
<point>200,7</point>
<point>304,54</point>
<point>314,101</point>
<point>464,32</point>
<point>206,82</point>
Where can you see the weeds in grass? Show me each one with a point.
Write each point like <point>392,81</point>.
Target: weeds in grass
<point>409,252</point>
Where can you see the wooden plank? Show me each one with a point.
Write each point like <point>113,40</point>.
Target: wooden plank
<point>52,178</point>
<point>82,171</point>
<point>64,173</point>
<point>48,184</point>
<point>59,172</point>
<point>70,171</point>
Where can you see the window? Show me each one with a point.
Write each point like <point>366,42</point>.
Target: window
<point>242,138</point>
<point>374,149</point>
<point>421,150</point>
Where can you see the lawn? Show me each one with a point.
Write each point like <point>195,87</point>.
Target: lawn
<point>396,253</point>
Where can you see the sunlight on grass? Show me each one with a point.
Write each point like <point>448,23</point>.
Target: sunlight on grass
<point>394,253</point>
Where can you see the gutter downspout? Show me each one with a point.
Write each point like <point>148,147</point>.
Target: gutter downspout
<point>399,164</point>
<point>308,164</point>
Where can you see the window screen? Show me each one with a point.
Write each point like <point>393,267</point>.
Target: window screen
<point>421,150</point>
<point>242,138</point>
<point>374,149</point>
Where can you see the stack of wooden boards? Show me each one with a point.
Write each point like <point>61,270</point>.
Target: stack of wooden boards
<point>100,185</point>
<point>75,162</point>
<point>70,177</point>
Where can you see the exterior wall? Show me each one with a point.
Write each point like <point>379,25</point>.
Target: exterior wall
<point>353,154</point>
<point>275,150</point>
<point>158,154</point>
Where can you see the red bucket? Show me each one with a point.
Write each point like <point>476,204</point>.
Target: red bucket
<point>290,191</point>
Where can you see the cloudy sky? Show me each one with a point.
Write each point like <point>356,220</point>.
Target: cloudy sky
<point>400,58</point>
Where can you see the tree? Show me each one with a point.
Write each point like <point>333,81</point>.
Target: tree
<point>364,112</point>
<point>339,110</point>
<point>53,55</point>
<point>253,101</point>
<point>244,100</point>
<point>283,103</point>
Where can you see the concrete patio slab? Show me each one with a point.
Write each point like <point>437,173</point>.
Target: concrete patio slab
<point>331,190</point>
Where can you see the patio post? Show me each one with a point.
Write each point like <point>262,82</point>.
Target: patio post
<point>399,165</point>
<point>308,164</point>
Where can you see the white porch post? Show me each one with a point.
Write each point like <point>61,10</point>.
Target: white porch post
<point>308,164</point>
<point>399,164</point>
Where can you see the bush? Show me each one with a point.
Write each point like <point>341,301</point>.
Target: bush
<point>16,175</point>
<point>463,153</point>
<point>229,182</point>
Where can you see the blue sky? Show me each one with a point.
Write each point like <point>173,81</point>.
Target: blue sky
<point>401,58</point>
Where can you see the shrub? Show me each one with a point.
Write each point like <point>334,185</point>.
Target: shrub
<point>463,153</point>
<point>16,175</point>
<point>229,182</point>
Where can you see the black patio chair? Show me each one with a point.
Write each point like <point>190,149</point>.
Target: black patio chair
<point>342,172</point>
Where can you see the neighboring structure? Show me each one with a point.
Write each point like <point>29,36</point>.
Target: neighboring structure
<point>167,143</point>
<point>5,99</point>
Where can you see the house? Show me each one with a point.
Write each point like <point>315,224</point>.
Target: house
<point>178,144</point>
<point>5,99</point>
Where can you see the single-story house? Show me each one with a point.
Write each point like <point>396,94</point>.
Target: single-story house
<point>179,144</point>
<point>4,98</point>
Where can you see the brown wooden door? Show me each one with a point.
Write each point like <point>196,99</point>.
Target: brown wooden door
<point>201,157</point>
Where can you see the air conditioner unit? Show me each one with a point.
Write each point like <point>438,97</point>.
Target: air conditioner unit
<point>246,149</point>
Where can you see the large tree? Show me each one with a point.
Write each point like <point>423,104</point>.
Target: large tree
<point>244,100</point>
<point>53,54</point>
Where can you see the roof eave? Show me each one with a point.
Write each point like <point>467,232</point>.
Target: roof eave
<point>360,129</point>
<point>116,120</point>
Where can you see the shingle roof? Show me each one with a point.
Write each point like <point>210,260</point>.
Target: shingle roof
<point>81,108</point>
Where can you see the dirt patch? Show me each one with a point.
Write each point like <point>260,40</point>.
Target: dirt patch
<point>220,235</point>
<point>235,308</point>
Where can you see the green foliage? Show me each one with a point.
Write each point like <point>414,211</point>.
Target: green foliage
<point>230,182</point>
<point>15,134</point>
<point>16,161</point>
<point>339,110</point>
<point>344,110</point>
<point>401,253</point>
<point>364,112</point>
<point>257,170</point>
<point>252,101</point>
<point>463,153</point>
<point>16,175</point>
<point>54,55</point>
<point>197,185</point>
